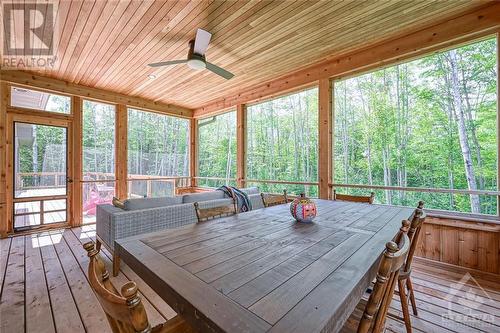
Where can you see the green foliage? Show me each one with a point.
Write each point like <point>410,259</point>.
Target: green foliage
<point>400,126</point>
<point>98,140</point>
<point>158,145</point>
<point>217,149</point>
<point>282,141</point>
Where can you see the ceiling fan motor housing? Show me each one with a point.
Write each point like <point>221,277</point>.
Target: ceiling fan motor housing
<point>195,61</point>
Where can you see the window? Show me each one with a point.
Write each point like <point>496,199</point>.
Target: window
<point>40,174</point>
<point>217,149</point>
<point>428,123</point>
<point>98,157</point>
<point>38,100</point>
<point>282,142</point>
<point>158,147</point>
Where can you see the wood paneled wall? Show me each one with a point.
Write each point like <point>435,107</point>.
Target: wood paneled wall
<point>474,245</point>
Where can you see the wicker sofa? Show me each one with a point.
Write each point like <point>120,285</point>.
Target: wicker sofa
<point>144,215</point>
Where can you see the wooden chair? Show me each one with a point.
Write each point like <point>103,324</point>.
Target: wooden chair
<point>274,199</point>
<point>124,310</point>
<point>405,286</point>
<point>372,317</point>
<point>205,214</point>
<point>354,198</point>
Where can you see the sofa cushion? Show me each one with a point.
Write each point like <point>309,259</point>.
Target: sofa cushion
<point>250,190</point>
<point>144,203</point>
<point>204,196</point>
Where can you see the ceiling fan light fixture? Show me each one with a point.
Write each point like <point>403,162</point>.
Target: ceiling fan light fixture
<point>152,76</point>
<point>196,64</point>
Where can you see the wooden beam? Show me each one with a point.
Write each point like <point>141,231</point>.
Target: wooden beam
<point>460,29</point>
<point>241,144</point>
<point>325,138</point>
<point>121,151</point>
<point>4,101</point>
<point>498,121</point>
<point>193,151</point>
<point>46,83</point>
<point>75,211</point>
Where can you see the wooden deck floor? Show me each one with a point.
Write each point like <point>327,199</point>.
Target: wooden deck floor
<point>44,288</point>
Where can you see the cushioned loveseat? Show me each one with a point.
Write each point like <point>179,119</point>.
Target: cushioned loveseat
<point>140,216</point>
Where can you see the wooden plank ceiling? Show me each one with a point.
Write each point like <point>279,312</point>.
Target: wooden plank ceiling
<point>107,44</point>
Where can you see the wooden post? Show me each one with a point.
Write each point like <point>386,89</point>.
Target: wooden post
<point>121,151</point>
<point>193,152</point>
<point>325,120</point>
<point>77,132</point>
<point>498,121</point>
<point>241,144</point>
<point>4,100</point>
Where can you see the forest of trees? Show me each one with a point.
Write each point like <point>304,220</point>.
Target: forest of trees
<point>282,141</point>
<point>217,149</point>
<point>98,141</point>
<point>426,123</point>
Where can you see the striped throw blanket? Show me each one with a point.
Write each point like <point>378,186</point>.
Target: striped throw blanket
<point>244,204</point>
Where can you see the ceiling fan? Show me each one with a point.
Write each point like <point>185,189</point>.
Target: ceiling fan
<point>196,56</point>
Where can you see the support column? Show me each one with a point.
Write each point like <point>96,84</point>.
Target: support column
<point>241,144</point>
<point>193,152</point>
<point>121,151</point>
<point>325,139</point>
<point>77,148</point>
<point>4,100</point>
<point>498,122</point>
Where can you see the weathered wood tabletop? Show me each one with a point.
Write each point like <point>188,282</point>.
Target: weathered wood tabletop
<point>262,272</point>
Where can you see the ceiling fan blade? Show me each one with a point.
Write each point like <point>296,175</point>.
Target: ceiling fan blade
<point>166,63</point>
<point>219,71</point>
<point>201,41</point>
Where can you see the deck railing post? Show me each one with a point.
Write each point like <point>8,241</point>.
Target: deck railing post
<point>325,129</point>
<point>241,144</point>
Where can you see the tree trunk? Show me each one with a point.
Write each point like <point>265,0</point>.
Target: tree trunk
<point>462,132</point>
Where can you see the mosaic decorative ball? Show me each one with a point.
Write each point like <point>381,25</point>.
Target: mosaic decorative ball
<point>303,209</point>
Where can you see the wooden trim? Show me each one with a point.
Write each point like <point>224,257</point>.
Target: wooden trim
<point>417,189</point>
<point>241,144</point>
<point>463,28</point>
<point>121,151</point>
<point>77,148</point>
<point>193,151</point>
<point>4,100</point>
<point>498,121</point>
<point>39,113</point>
<point>469,225</point>
<point>280,182</point>
<point>324,137</point>
<point>9,178</point>
<point>45,83</point>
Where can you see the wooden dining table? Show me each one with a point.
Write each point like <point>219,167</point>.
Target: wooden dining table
<point>261,271</point>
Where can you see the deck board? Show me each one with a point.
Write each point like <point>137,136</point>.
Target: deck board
<point>44,288</point>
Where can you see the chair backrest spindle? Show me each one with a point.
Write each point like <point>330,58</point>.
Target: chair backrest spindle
<point>204,214</point>
<point>274,199</point>
<point>124,310</point>
<point>393,258</point>
<point>354,198</point>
